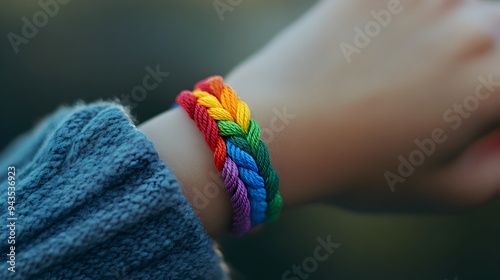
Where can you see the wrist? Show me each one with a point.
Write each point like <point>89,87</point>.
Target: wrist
<point>183,149</point>
<point>298,152</point>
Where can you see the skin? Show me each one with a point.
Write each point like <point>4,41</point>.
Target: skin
<point>354,119</point>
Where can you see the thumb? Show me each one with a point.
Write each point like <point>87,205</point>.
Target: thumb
<point>474,176</point>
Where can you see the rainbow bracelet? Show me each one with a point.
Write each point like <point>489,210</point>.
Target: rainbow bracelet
<point>239,153</point>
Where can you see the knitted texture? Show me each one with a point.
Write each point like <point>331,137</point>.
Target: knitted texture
<point>225,119</point>
<point>94,201</point>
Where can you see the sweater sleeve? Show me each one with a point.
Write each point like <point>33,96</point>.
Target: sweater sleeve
<point>93,200</point>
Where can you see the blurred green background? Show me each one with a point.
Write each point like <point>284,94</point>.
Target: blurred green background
<point>93,50</point>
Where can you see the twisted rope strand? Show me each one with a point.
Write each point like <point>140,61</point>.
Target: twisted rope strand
<point>253,181</point>
<point>239,153</point>
<point>222,115</point>
<point>241,113</point>
<point>235,187</point>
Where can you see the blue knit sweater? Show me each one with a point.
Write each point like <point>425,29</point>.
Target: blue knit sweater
<point>93,200</point>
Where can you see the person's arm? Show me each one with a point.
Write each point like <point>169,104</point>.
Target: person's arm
<point>356,111</point>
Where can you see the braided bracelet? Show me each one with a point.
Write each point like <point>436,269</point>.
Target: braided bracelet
<point>239,153</point>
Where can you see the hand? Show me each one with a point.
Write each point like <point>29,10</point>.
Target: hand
<point>364,103</point>
<point>346,114</point>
